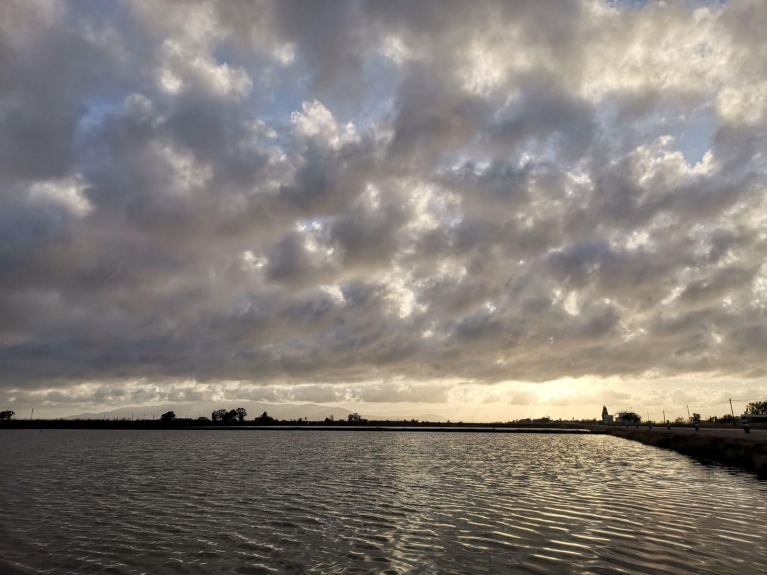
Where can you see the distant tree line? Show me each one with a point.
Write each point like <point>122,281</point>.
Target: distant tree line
<point>353,418</point>
<point>545,420</point>
<point>6,415</point>
<point>169,419</point>
<point>356,418</point>
<point>224,416</point>
<point>236,415</point>
<point>753,408</point>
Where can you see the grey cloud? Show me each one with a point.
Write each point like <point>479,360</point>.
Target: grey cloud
<point>498,211</point>
<point>369,240</point>
<point>546,114</point>
<point>733,279</point>
<point>289,260</point>
<point>433,117</point>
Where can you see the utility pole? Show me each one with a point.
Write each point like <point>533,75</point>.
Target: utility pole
<point>31,415</point>
<point>688,414</point>
<point>733,413</point>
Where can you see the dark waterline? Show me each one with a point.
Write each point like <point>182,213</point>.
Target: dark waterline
<point>415,429</point>
<point>291,502</point>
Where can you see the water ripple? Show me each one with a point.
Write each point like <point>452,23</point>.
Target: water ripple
<point>284,502</point>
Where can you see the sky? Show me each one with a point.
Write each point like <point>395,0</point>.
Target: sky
<point>488,210</point>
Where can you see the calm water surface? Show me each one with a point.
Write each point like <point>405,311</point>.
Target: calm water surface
<point>331,502</point>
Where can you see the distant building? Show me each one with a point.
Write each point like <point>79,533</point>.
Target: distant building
<point>623,418</point>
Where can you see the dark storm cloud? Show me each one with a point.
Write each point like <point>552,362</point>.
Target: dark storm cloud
<point>217,191</point>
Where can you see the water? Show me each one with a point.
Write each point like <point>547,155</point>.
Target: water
<point>353,503</point>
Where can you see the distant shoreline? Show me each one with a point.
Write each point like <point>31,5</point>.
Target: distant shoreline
<point>406,429</point>
<point>398,426</point>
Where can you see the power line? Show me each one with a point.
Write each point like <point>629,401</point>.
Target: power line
<point>707,406</point>
<point>682,409</point>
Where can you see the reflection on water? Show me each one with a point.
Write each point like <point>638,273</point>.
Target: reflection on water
<point>325,502</point>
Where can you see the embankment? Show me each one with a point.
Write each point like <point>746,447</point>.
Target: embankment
<point>734,452</point>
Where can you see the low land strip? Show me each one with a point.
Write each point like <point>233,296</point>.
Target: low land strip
<point>736,449</point>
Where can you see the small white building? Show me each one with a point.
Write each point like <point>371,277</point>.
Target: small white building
<point>623,418</point>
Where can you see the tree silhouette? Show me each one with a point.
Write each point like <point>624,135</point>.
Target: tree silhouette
<point>757,408</point>
<point>7,415</point>
<point>229,416</point>
<point>355,418</point>
<point>630,417</point>
<point>168,416</point>
<point>218,415</point>
<point>241,414</point>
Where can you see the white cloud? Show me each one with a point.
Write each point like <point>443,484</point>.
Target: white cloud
<point>745,104</point>
<point>316,120</point>
<point>66,192</point>
<point>187,174</point>
<point>181,65</point>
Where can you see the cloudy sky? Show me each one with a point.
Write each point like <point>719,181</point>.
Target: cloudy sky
<point>484,209</point>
